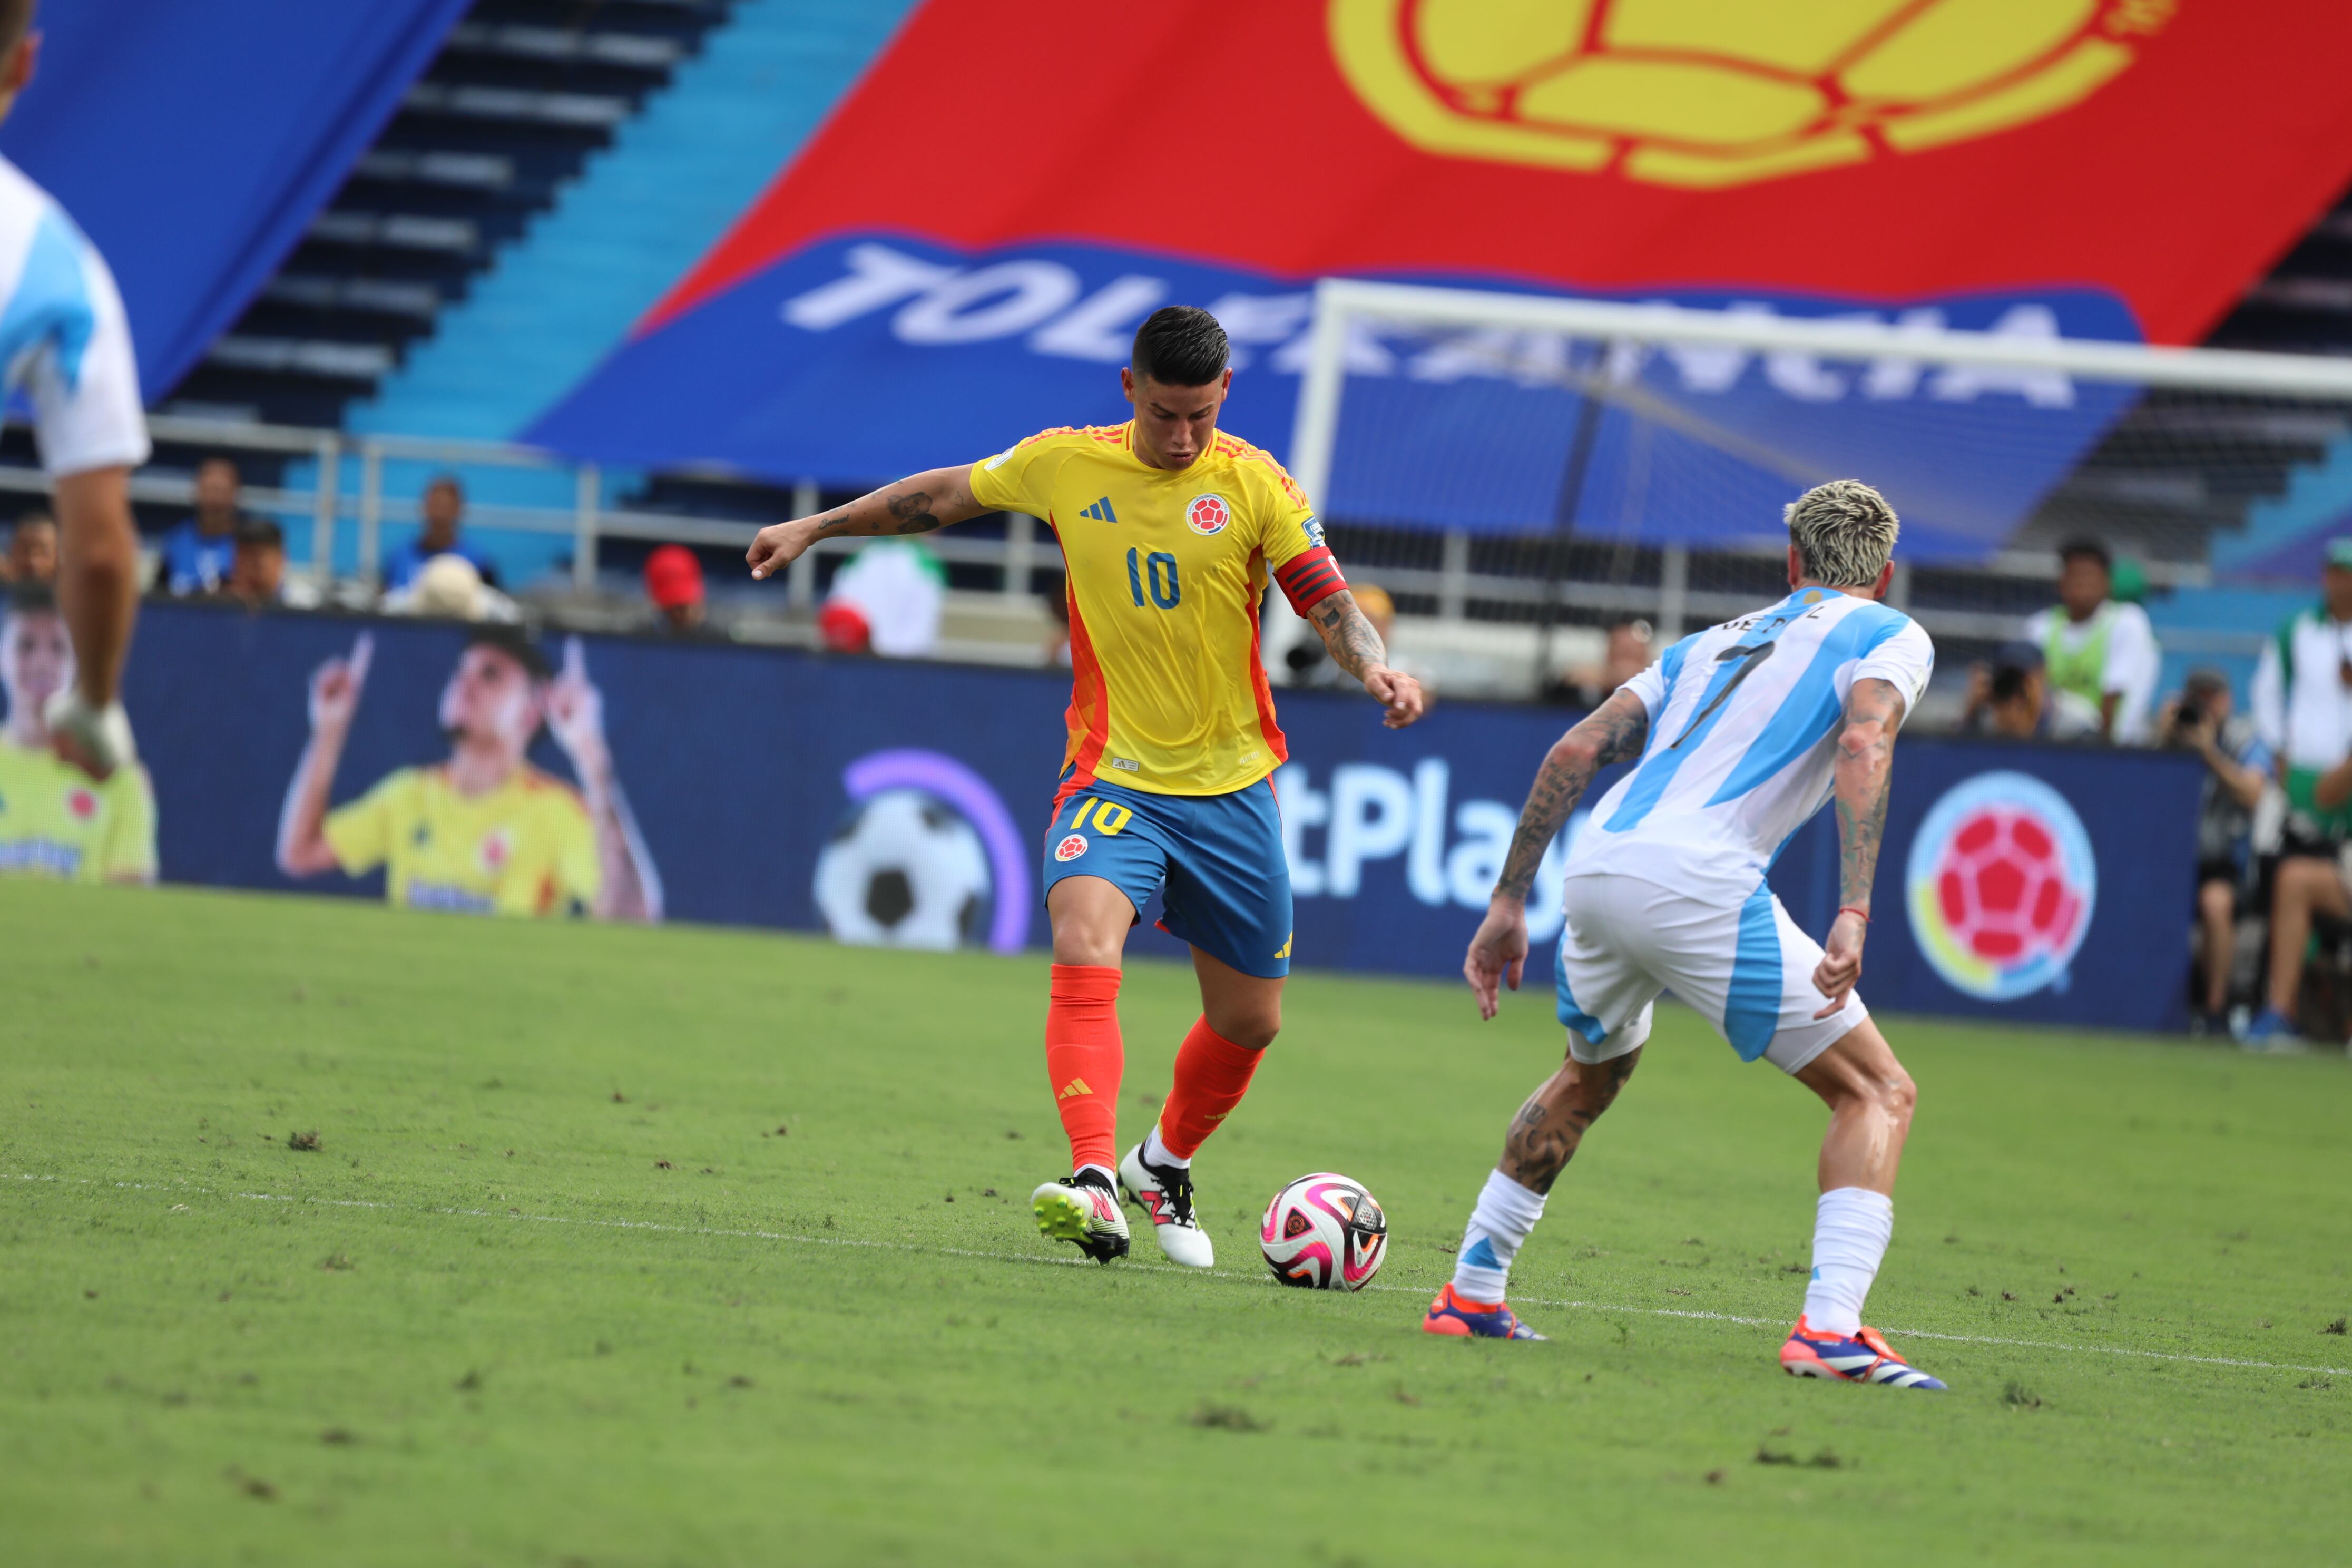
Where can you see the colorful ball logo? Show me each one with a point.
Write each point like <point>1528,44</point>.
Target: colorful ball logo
<point>1672,93</point>
<point>1070,848</point>
<point>2001,885</point>
<point>1207,515</point>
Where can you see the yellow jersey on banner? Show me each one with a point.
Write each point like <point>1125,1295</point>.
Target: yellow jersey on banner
<point>1166,570</point>
<point>523,848</point>
<point>57,821</point>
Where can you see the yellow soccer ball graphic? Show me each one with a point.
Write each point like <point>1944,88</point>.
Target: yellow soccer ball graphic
<point>1722,92</point>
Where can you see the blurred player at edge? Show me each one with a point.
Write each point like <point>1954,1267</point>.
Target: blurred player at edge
<point>1169,529</point>
<point>65,342</point>
<point>1743,730</point>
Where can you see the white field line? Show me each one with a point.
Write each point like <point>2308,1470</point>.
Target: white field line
<point>1161,1268</point>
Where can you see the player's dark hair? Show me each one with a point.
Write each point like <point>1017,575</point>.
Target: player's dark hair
<point>16,21</point>
<point>1179,346</point>
<point>261,533</point>
<point>2092,548</point>
<point>2009,682</point>
<point>515,643</point>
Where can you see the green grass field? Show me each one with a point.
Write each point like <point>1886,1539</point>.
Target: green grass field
<point>696,1247</point>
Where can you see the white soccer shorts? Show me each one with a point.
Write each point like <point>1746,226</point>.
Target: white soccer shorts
<point>1747,966</point>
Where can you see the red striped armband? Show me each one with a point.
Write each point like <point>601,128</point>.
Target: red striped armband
<point>1310,578</point>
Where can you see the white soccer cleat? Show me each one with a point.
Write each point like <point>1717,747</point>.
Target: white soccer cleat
<point>1165,1192</point>
<point>1086,1216</point>
<point>95,740</point>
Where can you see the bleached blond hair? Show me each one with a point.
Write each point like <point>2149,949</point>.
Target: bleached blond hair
<point>1844,533</point>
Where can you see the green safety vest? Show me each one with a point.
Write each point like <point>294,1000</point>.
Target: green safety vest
<point>2083,671</point>
<point>2303,783</point>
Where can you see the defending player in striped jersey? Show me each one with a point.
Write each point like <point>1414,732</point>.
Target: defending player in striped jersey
<point>65,343</point>
<point>1742,732</point>
<point>1170,529</point>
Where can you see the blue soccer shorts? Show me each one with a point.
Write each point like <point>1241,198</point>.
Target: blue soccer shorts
<point>1217,859</point>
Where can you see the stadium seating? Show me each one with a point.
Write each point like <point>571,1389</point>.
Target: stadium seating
<point>559,165</point>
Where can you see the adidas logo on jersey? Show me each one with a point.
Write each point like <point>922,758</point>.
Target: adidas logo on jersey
<point>1100,511</point>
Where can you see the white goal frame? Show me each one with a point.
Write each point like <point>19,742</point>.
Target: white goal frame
<point>1340,301</point>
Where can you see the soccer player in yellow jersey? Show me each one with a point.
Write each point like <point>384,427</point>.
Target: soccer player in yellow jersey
<point>55,819</point>
<point>1169,530</point>
<point>484,833</point>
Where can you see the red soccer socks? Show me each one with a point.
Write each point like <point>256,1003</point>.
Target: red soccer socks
<point>1211,1075</point>
<point>1083,1058</point>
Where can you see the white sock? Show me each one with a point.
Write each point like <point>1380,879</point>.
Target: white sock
<point>1506,1213</point>
<point>1155,1153</point>
<point>1851,1230</point>
<point>1109,1177</point>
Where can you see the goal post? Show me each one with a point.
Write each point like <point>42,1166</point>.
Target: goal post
<point>1551,425</point>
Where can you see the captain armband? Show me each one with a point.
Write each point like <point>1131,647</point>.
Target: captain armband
<point>1308,579</point>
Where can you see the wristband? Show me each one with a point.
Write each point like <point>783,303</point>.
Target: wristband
<point>1850,909</point>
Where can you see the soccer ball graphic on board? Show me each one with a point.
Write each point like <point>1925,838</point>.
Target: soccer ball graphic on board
<point>905,869</point>
<point>1324,1232</point>
<point>2002,884</point>
<point>1685,92</point>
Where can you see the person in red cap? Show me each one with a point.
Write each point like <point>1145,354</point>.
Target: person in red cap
<point>674,582</point>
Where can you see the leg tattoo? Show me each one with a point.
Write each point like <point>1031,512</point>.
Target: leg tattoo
<point>1545,1135</point>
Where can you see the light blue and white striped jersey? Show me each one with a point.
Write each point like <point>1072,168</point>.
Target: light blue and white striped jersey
<point>64,340</point>
<point>1743,725</point>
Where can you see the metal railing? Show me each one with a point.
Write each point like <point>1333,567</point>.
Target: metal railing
<point>329,506</point>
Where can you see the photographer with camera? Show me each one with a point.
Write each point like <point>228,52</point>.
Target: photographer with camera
<point>2237,771</point>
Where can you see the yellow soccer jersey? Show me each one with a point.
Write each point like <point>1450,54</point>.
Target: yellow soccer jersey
<point>1166,569</point>
<point>56,821</point>
<point>524,849</point>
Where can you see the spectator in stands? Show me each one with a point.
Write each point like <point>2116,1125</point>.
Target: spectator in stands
<point>256,576</point>
<point>1627,653</point>
<point>198,553</point>
<point>2303,712</point>
<point>888,600</point>
<point>447,587</point>
<point>2237,771</point>
<point>674,583</point>
<point>443,510</point>
<point>2097,648</point>
<point>32,550</point>
<point>2011,698</point>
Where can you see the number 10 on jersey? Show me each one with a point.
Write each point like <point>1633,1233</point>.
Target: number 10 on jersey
<point>1160,569</point>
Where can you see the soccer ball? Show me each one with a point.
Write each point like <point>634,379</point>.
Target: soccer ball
<point>1701,95</point>
<point>1324,1232</point>
<point>904,869</point>
<point>2003,890</point>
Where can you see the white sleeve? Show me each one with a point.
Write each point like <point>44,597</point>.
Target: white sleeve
<point>2134,663</point>
<point>1650,685</point>
<point>1905,662</point>
<point>83,378</point>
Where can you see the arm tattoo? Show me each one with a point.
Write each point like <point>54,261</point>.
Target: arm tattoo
<point>912,512</point>
<point>1355,646</point>
<point>1617,729</point>
<point>1874,711</point>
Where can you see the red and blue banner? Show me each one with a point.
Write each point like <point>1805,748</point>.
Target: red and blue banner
<point>960,256</point>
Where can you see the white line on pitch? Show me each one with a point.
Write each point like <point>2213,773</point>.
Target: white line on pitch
<point>1158,1268</point>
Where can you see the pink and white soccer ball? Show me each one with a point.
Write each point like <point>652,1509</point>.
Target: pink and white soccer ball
<point>1324,1232</point>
